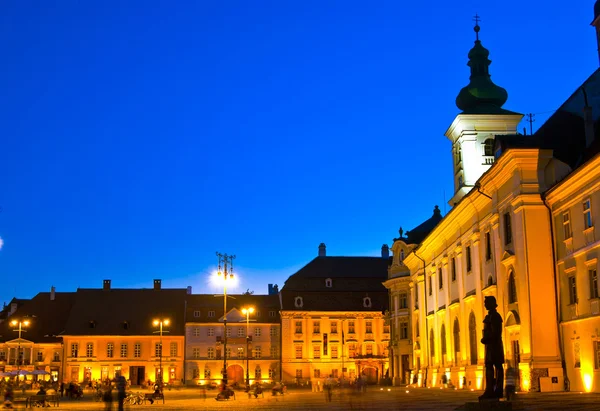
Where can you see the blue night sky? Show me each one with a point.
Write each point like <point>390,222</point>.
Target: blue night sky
<point>139,138</point>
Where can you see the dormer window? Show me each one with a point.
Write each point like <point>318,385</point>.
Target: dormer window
<point>367,302</point>
<point>298,303</point>
<point>125,325</point>
<point>92,324</point>
<point>328,283</point>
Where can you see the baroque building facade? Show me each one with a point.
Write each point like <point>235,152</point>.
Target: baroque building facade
<point>257,358</point>
<point>333,320</point>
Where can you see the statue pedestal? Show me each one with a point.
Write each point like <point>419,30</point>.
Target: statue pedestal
<point>494,405</point>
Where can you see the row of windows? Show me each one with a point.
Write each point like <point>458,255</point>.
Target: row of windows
<point>211,314</point>
<point>257,373</point>
<point>39,355</point>
<point>587,219</point>
<point>124,350</point>
<point>456,340</point>
<point>215,353</point>
<point>241,331</point>
<point>317,348</point>
<point>333,326</point>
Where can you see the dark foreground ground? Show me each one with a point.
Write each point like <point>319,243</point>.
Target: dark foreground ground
<point>393,398</point>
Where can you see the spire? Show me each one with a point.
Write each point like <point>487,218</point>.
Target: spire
<point>481,96</point>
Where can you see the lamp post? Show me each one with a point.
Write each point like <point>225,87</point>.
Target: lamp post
<point>21,324</point>
<point>224,275</point>
<point>159,323</point>
<point>247,311</point>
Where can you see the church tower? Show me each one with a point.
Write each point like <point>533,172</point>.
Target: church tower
<point>482,118</point>
<point>596,24</point>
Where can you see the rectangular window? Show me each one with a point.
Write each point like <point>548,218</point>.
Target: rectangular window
<point>196,314</point>
<point>316,351</point>
<point>196,332</point>
<point>257,373</point>
<point>351,350</point>
<point>273,331</point>
<point>124,350</point>
<point>40,356</point>
<point>567,225</point>
<point>157,349</point>
<point>196,353</point>
<point>298,327</point>
<point>241,332</point>
<point>110,347</point>
<point>597,355</point>
<point>228,352</point>
<point>257,352</point>
<point>195,373</point>
<point>369,349</point>
<point>403,300</point>
<point>210,353</point>
<point>240,352</point>
<point>2,355</point>
<point>468,255</point>
<point>74,349</point>
<point>211,314</point>
<point>210,332</point>
<point>207,373</point>
<point>587,214</point>
<point>228,332</point>
<point>257,332</point>
<point>593,283</point>
<point>272,373</point>
<point>298,373</point>
<point>488,246</point>
<point>386,327</point>
<point>350,327</point>
<point>334,351</point>
<point>272,314</point>
<point>316,327</point>
<point>274,353</point>
<point>404,330</point>
<point>317,373</point>
<point>173,349</point>
<point>430,285</point>
<point>334,327</point>
<point>369,327</point>
<point>572,290</point>
<point>453,268</point>
<point>440,279</point>
<point>507,229</point>
<point>137,350</point>
<point>56,357</point>
<point>298,352</point>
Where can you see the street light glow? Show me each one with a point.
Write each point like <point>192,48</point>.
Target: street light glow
<point>248,310</point>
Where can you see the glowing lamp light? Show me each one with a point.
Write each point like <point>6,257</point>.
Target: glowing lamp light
<point>249,310</point>
<point>587,382</point>
<point>389,389</point>
<point>407,391</point>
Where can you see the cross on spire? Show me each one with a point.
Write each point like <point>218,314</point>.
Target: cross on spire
<point>476,19</point>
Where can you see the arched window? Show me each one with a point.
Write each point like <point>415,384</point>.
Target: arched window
<point>431,345</point>
<point>512,288</point>
<point>298,303</point>
<point>443,343</point>
<point>456,332</point>
<point>490,281</point>
<point>367,302</point>
<point>473,338</point>
<point>488,147</point>
<point>401,255</point>
<point>328,283</point>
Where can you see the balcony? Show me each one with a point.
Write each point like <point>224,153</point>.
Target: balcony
<point>589,235</point>
<point>488,160</point>
<point>364,356</point>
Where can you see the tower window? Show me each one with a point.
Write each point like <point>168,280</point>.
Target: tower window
<point>488,147</point>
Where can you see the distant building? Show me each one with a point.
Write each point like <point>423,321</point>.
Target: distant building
<point>205,336</point>
<point>111,331</point>
<point>333,319</point>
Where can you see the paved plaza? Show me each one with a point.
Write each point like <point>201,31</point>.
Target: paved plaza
<point>393,398</point>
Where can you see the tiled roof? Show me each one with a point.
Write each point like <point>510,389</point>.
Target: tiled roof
<point>335,301</point>
<point>199,305</point>
<point>48,317</point>
<point>126,311</point>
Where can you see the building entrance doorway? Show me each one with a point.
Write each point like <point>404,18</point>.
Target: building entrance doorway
<point>405,369</point>
<point>137,375</point>
<point>235,374</point>
<point>372,374</point>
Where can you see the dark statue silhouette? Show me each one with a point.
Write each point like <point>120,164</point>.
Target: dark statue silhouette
<point>494,351</point>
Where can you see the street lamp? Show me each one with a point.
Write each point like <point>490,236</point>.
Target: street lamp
<point>247,311</point>
<point>225,275</point>
<point>21,324</point>
<point>159,323</point>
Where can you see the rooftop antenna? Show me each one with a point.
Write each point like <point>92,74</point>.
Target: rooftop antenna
<point>530,120</point>
<point>477,19</point>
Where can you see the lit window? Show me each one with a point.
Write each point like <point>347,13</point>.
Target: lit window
<point>210,353</point>
<point>369,327</point>
<point>109,350</point>
<point>351,350</point>
<point>74,349</point>
<point>334,327</point>
<point>157,349</point>
<point>257,352</point>
<point>316,327</point>
<point>207,373</point>
<point>350,327</point>
<point>567,225</point>
<point>173,349</point>
<point>257,373</point>
<point>124,350</point>
<point>40,356</point>
<point>137,350</point>
<point>334,351</point>
<point>196,353</point>
<point>587,214</point>
<point>298,352</point>
<point>240,352</point>
<point>316,351</point>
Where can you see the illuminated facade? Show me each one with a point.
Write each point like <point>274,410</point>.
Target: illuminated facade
<point>111,331</point>
<point>205,332</point>
<point>332,320</point>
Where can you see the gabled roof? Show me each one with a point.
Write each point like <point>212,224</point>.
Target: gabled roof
<point>48,317</point>
<point>199,305</point>
<point>126,311</point>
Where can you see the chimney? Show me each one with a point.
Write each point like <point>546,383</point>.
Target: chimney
<point>270,292</point>
<point>157,284</point>
<point>385,251</point>
<point>52,293</point>
<point>189,290</point>
<point>106,285</point>
<point>322,252</point>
